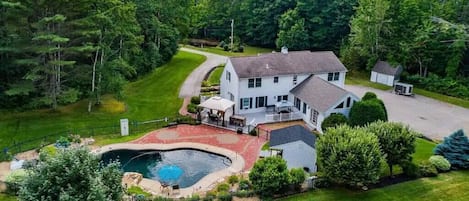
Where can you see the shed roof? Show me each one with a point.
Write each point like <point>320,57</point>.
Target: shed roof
<point>296,62</point>
<point>217,103</point>
<point>292,134</point>
<point>318,93</point>
<point>384,67</point>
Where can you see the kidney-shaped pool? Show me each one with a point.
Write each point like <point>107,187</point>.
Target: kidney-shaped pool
<point>183,167</point>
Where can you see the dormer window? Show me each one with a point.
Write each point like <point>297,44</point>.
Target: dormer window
<point>333,76</point>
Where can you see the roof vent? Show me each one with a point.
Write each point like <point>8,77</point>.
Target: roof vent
<point>284,50</point>
<point>267,66</point>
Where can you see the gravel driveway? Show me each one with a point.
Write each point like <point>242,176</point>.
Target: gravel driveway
<point>434,119</point>
<point>191,86</point>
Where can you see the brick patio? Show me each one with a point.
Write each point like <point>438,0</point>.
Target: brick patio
<point>245,145</point>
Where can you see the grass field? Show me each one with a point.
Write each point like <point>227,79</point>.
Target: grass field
<point>248,50</point>
<point>151,97</point>
<point>362,78</point>
<point>452,186</point>
<point>214,77</point>
<point>4,197</point>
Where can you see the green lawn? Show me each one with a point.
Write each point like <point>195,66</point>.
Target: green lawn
<point>362,78</point>
<point>214,77</point>
<point>452,186</point>
<point>248,50</point>
<point>151,97</point>
<point>4,197</point>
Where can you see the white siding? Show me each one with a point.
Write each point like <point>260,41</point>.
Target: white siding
<point>298,155</point>
<point>382,78</point>
<point>269,89</point>
<point>229,86</point>
<point>340,82</point>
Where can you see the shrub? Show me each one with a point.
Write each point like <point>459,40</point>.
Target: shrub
<point>226,47</point>
<point>223,187</point>
<point>244,184</point>
<point>269,175</point>
<point>13,181</point>
<point>322,182</point>
<point>440,162</point>
<point>233,179</point>
<point>62,142</point>
<point>192,108</point>
<point>211,195</point>
<point>410,169</point>
<point>244,194</point>
<point>297,177</point>
<point>455,148</point>
<point>349,156</point>
<point>333,120</point>
<point>194,197</point>
<point>253,132</point>
<point>48,151</point>
<point>427,169</point>
<point>397,141</point>
<point>224,196</point>
<point>195,100</point>
<point>369,96</point>
<point>364,112</point>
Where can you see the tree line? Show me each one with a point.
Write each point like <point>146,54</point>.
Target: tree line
<point>57,52</point>
<point>425,36</point>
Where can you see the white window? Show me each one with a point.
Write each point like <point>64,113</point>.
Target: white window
<point>333,76</point>
<point>254,82</point>
<point>228,75</point>
<point>251,83</point>
<point>314,117</point>
<point>258,82</point>
<point>245,103</point>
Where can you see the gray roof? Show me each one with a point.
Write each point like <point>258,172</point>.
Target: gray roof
<point>318,93</point>
<point>384,67</point>
<point>296,62</point>
<point>292,134</point>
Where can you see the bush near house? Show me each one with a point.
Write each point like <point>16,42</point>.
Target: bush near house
<point>297,177</point>
<point>364,112</point>
<point>397,142</point>
<point>269,176</point>
<point>333,120</point>
<point>455,148</point>
<point>440,162</point>
<point>349,156</point>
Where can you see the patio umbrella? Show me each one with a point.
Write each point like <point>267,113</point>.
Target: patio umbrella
<point>170,174</point>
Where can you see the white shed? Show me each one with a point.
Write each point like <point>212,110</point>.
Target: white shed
<point>385,74</point>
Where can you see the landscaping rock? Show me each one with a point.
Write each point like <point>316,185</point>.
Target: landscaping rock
<point>131,179</point>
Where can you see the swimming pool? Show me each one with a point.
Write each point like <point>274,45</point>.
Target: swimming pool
<point>183,167</point>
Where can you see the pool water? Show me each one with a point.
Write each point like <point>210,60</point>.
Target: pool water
<point>183,167</point>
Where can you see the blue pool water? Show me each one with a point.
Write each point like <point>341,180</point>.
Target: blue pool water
<point>182,166</point>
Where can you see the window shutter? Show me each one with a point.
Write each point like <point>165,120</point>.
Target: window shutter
<point>265,101</point>
<point>257,102</point>
<point>240,103</point>
<point>250,102</point>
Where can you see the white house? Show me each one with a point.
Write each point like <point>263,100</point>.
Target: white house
<point>385,74</point>
<point>311,82</point>
<point>296,146</point>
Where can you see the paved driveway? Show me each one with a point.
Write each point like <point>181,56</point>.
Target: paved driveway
<point>432,118</point>
<point>191,86</point>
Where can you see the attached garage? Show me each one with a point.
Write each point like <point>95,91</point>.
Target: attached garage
<point>385,73</point>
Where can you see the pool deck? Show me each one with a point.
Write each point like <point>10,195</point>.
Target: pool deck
<point>243,150</point>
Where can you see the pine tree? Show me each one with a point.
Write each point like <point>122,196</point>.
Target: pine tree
<point>455,148</point>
